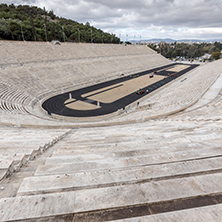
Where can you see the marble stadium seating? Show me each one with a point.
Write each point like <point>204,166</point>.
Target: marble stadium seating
<point>159,161</point>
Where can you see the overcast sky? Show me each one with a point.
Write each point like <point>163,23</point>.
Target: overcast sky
<point>142,19</point>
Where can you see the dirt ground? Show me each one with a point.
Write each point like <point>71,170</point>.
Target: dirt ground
<point>80,105</point>
<point>178,68</point>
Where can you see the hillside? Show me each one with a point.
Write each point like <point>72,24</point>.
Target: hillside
<point>31,23</point>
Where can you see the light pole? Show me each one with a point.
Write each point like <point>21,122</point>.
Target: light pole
<point>22,31</point>
<point>45,33</point>
<point>91,35</point>
<point>78,34</point>
<point>63,33</point>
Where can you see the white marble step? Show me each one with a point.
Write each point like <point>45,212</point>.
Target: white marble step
<point>39,206</point>
<point>110,163</point>
<point>113,177</point>
<point>204,214</point>
<point>145,154</point>
<point>149,146</point>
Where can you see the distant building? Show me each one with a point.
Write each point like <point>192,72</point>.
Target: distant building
<point>206,56</point>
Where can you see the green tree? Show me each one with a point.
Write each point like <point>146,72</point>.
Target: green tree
<point>216,55</point>
<point>14,30</point>
<point>4,28</point>
<point>34,23</point>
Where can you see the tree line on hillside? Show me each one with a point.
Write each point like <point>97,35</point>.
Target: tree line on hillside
<point>31,23</point>
<point>188,51</point>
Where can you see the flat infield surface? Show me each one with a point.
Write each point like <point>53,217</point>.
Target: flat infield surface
<point>110,96</point>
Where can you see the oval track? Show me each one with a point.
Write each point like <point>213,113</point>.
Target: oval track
<point>56,104</point>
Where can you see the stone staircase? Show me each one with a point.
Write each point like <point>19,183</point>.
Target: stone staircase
<point>97,174</point>
<point>18,146</point>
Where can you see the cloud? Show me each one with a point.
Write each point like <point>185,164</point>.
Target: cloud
<point>149,18</point>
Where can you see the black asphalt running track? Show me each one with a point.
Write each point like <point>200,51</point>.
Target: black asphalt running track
<point>56,104</point>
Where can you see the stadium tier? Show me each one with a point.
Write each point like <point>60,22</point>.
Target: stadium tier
<point>157,160</point>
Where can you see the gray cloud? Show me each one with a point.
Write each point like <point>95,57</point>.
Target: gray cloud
<point>149,18</point>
